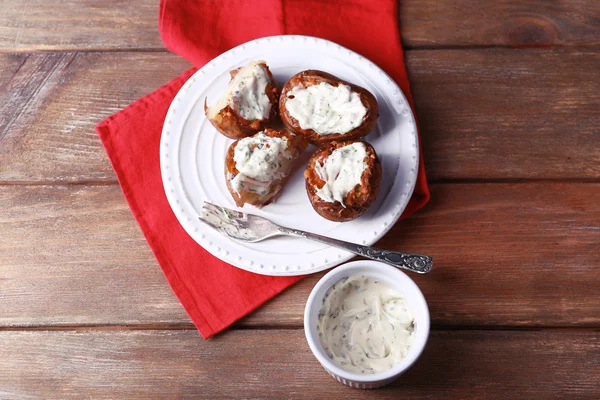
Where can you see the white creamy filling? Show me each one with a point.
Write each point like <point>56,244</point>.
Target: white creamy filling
<point>326,109</point>
<point>246,94</point>
<point>365,326</point>
<point>342,171</point>
<point>260,159</point>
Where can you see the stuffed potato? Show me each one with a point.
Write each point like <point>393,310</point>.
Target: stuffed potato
<point>248,105</point>
<point>343,179</point>
<point>257,167</point>
<point>324,108</point>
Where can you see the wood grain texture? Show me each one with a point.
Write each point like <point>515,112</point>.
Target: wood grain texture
<point>70,25</point>
<point>54,102</point>
<point>484,114</point>
<point>279,364</point>
<point>75,255</point>
<point>434,23</point>
<point>499,114</point>
<point>67,25</point>
<point>505,255</point>
<point>9,65</point>
<point>25,92</point>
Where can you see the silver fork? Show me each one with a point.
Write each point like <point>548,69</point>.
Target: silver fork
<point>252,228</point>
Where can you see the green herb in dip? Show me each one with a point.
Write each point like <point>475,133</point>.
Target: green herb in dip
<point>365,326</point>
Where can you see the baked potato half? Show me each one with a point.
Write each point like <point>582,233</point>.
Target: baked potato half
<point>325,108</point>
<point>257,167</point>
<point>343,179</point>
<point>248,105</point>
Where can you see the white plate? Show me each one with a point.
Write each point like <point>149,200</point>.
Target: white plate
<point>192,155</point>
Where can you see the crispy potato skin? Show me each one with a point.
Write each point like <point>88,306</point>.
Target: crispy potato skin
<point>314,77</point>
<point>358,199</point>
<point>232,125</point>
<point>296,144</point>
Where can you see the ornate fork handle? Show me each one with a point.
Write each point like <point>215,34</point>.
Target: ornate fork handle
<point>410,262</point>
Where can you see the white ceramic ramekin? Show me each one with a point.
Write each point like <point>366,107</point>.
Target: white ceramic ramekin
<point>395,279</point>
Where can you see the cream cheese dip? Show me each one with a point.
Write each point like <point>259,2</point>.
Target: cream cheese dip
<point>326,109</point>
<point>365,326</point>
<point>260,159</point>
<point>342,172</point>
<point>246,93</point>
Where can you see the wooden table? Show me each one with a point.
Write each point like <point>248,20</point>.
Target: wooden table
<point>508,99</point>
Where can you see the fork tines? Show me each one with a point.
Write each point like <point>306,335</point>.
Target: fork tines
<point>220,217</point>
<point>213,208</point>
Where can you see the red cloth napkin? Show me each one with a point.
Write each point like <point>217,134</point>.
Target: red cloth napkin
<point>216,294</point>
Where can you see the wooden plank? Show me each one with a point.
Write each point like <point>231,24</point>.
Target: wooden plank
<point>279,364</point>
<point>506,255</point>
<point>484,114</point>
<point>118,24</point>
<point>64,98</point>
<point>434,23</point>
<point>25,91</point>
<point>9,65</point>
<point>502,114</point>
<point>68,25</point>
<point>74,255</point>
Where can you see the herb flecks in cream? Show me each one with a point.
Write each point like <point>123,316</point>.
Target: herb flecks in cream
<point>341,171</point>
<point>365,326</point>
<point>260,159</point>
<point>246,93</point>
<point>325,108</point>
